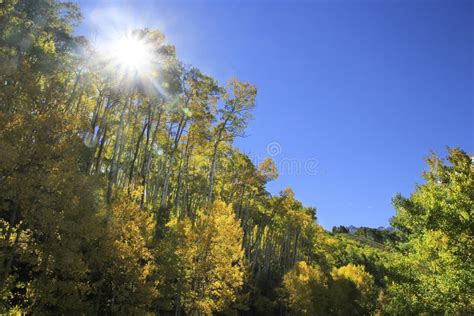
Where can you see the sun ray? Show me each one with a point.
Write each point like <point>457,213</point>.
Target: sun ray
<point>131,56</point>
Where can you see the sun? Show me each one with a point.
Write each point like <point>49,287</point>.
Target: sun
<point>131,55</point>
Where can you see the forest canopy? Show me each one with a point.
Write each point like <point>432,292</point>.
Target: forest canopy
<point>122,192</point>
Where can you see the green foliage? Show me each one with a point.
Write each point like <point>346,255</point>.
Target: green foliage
<point>376,235</point>
<point>428,277</point>
<point>340,230</point>
<point>433,269</point>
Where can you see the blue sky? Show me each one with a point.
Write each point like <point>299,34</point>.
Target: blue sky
<point>364,88</point>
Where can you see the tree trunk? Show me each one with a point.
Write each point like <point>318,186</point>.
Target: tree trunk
<point>147,158</point>
<point>135,154</point>
<point>113,165</point>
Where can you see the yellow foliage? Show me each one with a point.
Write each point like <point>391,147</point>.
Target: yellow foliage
<point>355,275</point>
<point>126,263</point>
<point>210,256</point>
<point>305,288</point>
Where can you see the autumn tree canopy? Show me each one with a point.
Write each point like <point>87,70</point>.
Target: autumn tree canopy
<point>122,192</point>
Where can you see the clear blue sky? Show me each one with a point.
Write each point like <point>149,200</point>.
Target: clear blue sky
<point>366,88</point>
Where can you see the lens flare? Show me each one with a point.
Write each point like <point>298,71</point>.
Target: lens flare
<point>131,56</point>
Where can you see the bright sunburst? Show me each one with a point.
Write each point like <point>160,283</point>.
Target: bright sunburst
<point>131,55</point>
